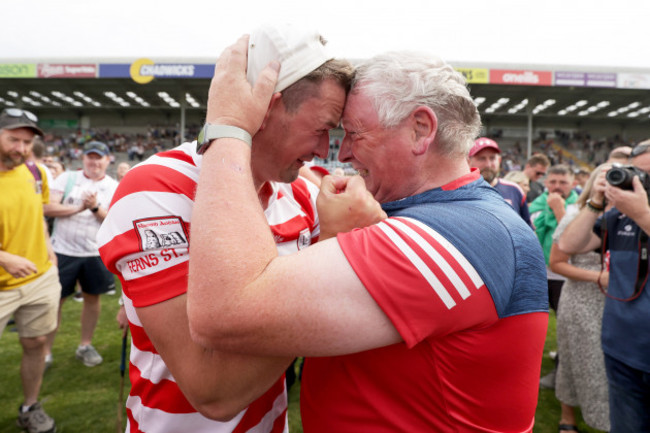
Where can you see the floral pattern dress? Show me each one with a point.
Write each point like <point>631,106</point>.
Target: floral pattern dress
<point>581,379</point>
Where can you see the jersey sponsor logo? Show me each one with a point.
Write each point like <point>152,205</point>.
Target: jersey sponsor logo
<point>135,266</point>
<point>304,239</point>
<point>160,232</point>
<point>627,231</point>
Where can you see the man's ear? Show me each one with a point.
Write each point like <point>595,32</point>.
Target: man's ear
<point>425,127</point>
<point>275,101</point>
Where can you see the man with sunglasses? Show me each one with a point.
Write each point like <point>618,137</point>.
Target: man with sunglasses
<point>79,205</point>
<point>626,318</point>
<point>29,282</point>
<point>535,169</point>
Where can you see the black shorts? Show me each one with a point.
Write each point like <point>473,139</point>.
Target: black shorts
<point>91,273</point>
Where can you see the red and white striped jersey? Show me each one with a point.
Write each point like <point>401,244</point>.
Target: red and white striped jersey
<point>145,241</point>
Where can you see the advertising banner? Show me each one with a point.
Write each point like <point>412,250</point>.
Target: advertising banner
<point>585,79</point>
<point>563,78</point>
<point>59,123</point>
<point>521,78</point>
<point>598,79</point>
<point>18,70</point>
<point>56,70</point>
<point>144,70</point>
<point>475,75</point>
<point>633,81</point>
<point>114,70</point>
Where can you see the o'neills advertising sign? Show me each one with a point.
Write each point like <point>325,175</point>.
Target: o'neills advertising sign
<point>52,70</point>
<point>521,78</point>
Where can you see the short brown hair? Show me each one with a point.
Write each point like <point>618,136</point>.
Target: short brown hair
<point>538,158</point>
<point>341,71</point>
<point>38,147</point>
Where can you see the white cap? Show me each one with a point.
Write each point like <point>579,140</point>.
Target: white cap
<point>299,52</point>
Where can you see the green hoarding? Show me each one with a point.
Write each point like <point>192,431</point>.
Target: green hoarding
<point>17,70</point>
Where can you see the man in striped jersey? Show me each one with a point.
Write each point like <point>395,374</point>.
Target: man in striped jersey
<point>431,320</point>
<point>178,385</point>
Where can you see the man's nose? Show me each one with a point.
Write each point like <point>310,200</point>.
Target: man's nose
<point>323,148</point>
<point>345,152</point>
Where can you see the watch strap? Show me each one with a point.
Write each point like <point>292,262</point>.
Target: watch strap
<point>212,132</point>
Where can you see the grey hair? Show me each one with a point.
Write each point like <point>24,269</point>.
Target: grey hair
<point>399,82</point>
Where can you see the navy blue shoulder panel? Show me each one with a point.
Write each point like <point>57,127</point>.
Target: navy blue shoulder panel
<point>495,240</point>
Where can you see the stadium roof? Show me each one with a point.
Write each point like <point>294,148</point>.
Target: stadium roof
<point>500,91</point>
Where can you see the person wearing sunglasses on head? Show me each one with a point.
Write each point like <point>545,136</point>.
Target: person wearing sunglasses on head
<point>29,281</point>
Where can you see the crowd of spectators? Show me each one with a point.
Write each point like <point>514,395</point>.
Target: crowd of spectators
<point>561,147</point>
<point>575,149</point>
<point>67,146</point>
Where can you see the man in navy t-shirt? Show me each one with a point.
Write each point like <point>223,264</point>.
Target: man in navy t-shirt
<point>486,156</point>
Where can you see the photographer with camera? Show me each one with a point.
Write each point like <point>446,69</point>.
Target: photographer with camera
<point>621,234</point>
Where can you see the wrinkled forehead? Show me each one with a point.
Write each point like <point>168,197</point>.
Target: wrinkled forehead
<point>359,111</point>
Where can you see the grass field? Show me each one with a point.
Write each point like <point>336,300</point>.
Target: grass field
<point>85,400</point>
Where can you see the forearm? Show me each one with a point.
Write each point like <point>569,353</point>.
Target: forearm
<point>575,273</point>
<point>225,188</point>
<point>229,383</point>
<point>559,213</point>
<point>218,384</point>
<point>5,258</point>
<point>50,250</point>
<point>58,210</point>
<point>579,235</point>
<point>100,213</point>
<point>643,221</point>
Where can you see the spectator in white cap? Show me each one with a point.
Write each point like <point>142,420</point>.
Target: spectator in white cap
<point>486,156</point>
<point>178,385</point>
<point>79,204</point>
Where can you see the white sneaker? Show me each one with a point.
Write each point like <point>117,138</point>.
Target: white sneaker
<point>49,359</point>
<point>548,381</point>
<point>35,420</point>
<point>88,355</point>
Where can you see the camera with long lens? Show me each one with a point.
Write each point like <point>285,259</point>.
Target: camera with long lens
<point>621,176</point>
